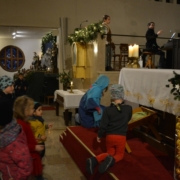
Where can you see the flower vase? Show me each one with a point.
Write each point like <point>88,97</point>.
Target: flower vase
<point>64,87</point>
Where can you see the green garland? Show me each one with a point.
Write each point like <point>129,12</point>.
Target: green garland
<point>175,86</point>
<point>46,39</point>
<point>87,34</point>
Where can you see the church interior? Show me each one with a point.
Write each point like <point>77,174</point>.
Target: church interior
<point>61,50</point>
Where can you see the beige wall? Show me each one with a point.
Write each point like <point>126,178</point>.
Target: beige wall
<point>127,16</point>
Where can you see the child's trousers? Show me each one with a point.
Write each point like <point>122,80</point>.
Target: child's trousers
<point>115,145</point>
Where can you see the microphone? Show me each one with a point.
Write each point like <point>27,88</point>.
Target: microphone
<point>82,23</point>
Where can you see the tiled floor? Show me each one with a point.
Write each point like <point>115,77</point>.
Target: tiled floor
<point>58,165</point>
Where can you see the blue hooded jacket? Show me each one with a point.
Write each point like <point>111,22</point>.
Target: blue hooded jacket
<point>88,115</point>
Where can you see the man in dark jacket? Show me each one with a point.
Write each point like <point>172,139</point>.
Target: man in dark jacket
<point>152,46</point>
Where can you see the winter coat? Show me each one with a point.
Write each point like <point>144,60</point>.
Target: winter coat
<point>31,142</point>
<point>15,159</point>
<point>10,98</point>
<point>38,126</point>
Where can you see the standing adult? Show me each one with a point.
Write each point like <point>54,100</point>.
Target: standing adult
<point>106,21</point>
<point>152,46</point>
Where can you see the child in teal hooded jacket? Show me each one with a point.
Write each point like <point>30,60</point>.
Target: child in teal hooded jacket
<point>90,110</point>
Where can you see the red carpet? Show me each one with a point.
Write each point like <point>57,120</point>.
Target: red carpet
<point>46,108</point>
<point>144,163</point>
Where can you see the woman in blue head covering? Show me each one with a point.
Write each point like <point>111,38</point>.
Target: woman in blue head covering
<point>90,110</point>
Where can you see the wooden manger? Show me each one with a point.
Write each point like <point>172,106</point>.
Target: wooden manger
<point>147,120</point>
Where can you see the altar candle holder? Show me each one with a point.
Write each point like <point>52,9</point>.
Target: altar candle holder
<point>71,89</point>
<point>135,63</point>
<point>130,60</point>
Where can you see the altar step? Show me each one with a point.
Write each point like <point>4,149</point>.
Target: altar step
<point>144,162</point>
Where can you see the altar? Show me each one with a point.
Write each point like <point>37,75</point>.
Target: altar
<point>148,87</point>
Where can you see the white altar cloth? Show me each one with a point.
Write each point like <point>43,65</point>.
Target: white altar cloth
<point>71,100</point>
<point>148,87</point>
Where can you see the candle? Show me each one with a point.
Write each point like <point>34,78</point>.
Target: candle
<point>130,52</point>
<point>135,50</point>
<point>71,83</point>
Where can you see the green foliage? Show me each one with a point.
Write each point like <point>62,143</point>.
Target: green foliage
<point>46,39</point>
<point>29,76</point>
<point>87,34</point>
<point>65,77</point>
<point>175,86</point>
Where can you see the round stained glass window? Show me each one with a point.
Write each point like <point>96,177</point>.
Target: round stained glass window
<point>12,58</point>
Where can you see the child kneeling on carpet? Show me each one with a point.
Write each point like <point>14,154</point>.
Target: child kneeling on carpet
<point>114,124</point>
<point>38,126</point>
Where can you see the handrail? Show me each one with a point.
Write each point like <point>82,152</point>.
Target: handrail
<point>135,36</point>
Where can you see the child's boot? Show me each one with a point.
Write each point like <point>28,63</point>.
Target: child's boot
<point>108,162</point>
<point>91,164</point>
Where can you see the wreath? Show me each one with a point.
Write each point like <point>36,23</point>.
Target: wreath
<point>87,34</point>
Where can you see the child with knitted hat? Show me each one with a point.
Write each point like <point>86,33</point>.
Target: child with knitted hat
<point>114,125</point>
<point>7,90</point>
<point>15,159</point>
<point>38,126</point>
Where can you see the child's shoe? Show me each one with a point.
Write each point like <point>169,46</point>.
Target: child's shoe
<point>108,162</point>
<point>90,164</point>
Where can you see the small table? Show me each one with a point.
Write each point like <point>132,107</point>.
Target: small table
<point>68,100</point>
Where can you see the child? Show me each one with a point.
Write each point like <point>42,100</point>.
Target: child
<point>23,109</point>
<point>15,159</point>
<point>7,90</point>
<point>90,108</point>
<point>38,126</point>
<point>20,85</point>
<point>114,124</point>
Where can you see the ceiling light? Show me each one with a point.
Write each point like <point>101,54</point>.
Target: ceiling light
<point>14,33</point>
<point>14,36</point>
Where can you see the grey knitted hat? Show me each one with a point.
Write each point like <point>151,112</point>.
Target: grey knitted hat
<point>117,91</point>
<point>5,81</point>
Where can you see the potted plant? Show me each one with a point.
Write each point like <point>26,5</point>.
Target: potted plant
<point>65,79</point>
